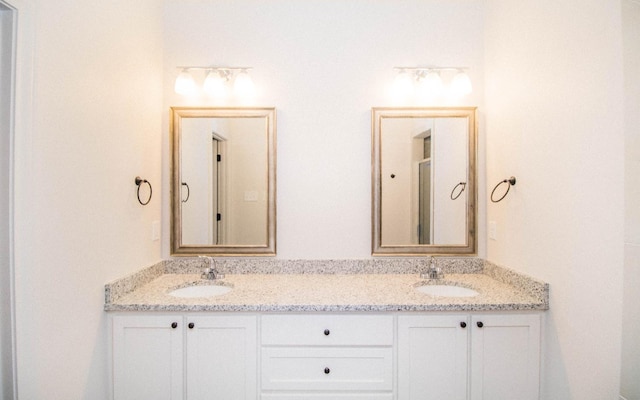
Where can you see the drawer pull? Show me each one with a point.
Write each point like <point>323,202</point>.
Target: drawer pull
<point>327,370</point>
<point>480,324</point>
<point>191,325</point>
<point>463,324</point>
<point>327,332</point>
<point>174,325</point>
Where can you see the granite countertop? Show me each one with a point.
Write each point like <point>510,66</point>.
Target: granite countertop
<point>499,289</point>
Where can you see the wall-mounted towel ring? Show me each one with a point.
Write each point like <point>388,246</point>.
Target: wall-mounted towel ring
<point>462,186</point>
<point>511,181</point>
<point>188,192</point>
<point>139,182</point>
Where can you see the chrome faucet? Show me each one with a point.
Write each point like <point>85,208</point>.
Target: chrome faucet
<point>210,272</point>
<point>433,272</point>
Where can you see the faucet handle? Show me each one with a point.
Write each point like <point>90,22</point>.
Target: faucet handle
<point>433,271</point>
<point>209,260</point>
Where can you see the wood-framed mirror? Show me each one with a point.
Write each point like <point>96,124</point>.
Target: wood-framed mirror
<point>223,181</point>
<point>424,181</point>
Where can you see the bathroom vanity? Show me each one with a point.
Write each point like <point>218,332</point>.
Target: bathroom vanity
<point>304,331</point>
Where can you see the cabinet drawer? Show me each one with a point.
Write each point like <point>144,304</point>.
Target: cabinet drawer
<point>347,369</point>
<point>327,330</point>
<point>331,396</point>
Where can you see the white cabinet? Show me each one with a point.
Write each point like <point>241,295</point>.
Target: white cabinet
<point>432,357</point>
<point>482,357</point>
<point>377,356</point>
<point>505,357</point>
<point>147,357</point>
<point>150,355</point>
<point>327,357</point>
<point>221,358</point>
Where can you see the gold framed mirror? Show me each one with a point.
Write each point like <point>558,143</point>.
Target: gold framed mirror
<point>423,181</point>
<point>223,181</point>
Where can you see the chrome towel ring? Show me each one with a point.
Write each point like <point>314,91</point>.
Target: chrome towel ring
<point>511,181</point>
<point>139,181</point>
<point>463,186</point>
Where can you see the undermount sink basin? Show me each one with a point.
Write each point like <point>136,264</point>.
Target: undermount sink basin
<point>446,290</point>
<point>200,291</point>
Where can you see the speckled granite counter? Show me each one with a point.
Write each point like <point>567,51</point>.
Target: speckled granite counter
<point>327,285</point>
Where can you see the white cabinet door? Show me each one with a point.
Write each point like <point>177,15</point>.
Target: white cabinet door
<point>432,357</point>
<point>221,357</point>
<point>505,357</point>
<point>147,357</point>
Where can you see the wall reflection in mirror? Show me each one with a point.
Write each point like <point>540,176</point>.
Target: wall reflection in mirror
<point>424,180</point>
<point>223,181</point>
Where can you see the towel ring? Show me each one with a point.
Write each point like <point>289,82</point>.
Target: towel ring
<point>511,181</point>
<point>463,186</point>
<point>139,182</point>
<point>188,192</point>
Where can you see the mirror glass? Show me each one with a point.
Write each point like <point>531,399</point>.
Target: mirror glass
<point>424,187</point>
<point>223,181</point>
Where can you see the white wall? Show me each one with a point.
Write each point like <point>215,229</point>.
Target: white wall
<point>398,201</point>
<point>246,155</point>
<point>323,64</point>
<point>95,125</point>
<point>554,120</point>
<point>630,385</point>
<point>450,167</point>
<point>196,170</point>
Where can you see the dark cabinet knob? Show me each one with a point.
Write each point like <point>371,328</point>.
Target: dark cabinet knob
<point>327,332</point>
<point>174,325</point>
<point>191,325</point>
<point>463,324</point>
<point>480,324</point>
<point>327,370</point>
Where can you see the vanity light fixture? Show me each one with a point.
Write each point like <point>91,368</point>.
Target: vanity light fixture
<point>428,81</point>
<point>216,81</point>
<point>185,84</point>
<point>461,84</point>
<point>243,85</point>
<point>215,84</point>
<point>403,85</point>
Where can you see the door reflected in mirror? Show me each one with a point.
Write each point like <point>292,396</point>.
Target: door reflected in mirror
<point>423,180</point>
<point>223,181</point>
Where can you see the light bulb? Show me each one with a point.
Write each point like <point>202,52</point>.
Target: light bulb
<point>403,85</point>
<point>461,84</point>
<point>243,85</point>
<point>430,85</point>
<point>185,84</point>
<point>215,84</point>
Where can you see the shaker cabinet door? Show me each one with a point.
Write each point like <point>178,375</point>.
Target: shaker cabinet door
<point>221,357</point>
<point>147,357</point>
<point>432,357</point>
<point>505,357</point>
